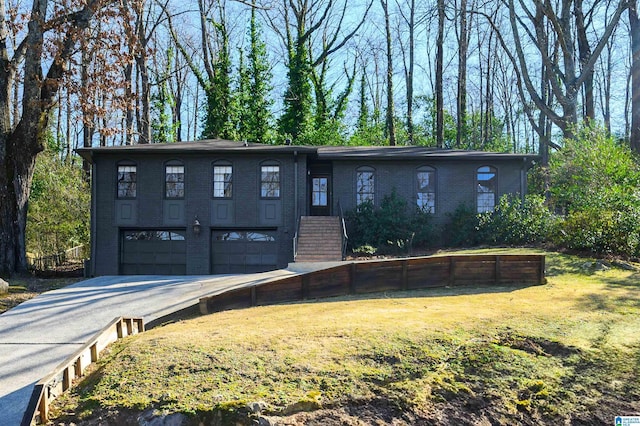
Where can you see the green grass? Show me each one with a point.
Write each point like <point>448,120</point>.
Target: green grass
<point>27,287</point>
<point>568,350</point>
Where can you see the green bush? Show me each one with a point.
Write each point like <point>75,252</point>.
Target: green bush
<point>461,229</point>
<point>389,228</point>
<point>600,231</point>
<point>517,222</point>
<point>594,183</point>
<point>59,205</point>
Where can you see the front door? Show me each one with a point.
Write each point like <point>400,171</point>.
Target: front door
<point>320,195</point>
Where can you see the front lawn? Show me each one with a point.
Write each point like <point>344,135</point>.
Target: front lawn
<point>568,351</point>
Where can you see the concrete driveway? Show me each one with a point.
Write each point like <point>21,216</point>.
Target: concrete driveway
<point>39,334</point>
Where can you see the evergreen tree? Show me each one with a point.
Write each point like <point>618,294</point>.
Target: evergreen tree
<point>163,128</point>
<point>259,104</point>
<point>363,116</point>
<point>240,110</point>
<point>217,123</point>
<point>297,99</point>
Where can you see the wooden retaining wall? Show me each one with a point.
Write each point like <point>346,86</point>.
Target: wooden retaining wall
<point>61,379</point>
<point>385,275</point>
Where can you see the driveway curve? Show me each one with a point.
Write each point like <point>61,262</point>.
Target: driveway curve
<point>37,335</point>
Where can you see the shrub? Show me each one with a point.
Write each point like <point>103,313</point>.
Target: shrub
<point>594,183</point>
<point>517,222</point>
<point>600,231</point>
<point>389,228</point>
<point>462,227</point>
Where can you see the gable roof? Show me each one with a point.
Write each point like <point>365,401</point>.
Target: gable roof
<point>322,152</point>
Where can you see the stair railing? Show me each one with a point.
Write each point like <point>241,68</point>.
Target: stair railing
<point>345,237</point>
<point>295,237</point>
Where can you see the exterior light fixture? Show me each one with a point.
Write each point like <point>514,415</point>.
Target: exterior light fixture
<point>196,227</point>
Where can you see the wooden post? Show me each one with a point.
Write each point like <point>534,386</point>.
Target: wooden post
<point>66,378</point>
<point>119,329</point>
<point>253,296</point>
<point>305,286</point>
<point>352,278</point>
<point>44,405</point>
<point>78,366</point>
<point>94,352</point>
<point>498,266</point>
<point>452,271</point>
<point>405,275</point>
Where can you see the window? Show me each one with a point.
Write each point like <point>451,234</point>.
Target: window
<point>174,181</point>
<point>365,185</point>
<point>320,191</point>
<point>270,182</point>
<point>127,180</point>
<point>154,236</point>
<point>245,236</point>
<point>426,189</point>
<point>222,181</point>
<point>486,177</point>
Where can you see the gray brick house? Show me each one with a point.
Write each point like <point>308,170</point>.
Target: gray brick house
<point>219,206</point>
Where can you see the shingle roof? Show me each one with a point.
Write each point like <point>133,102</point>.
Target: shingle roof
<point>410,152</point>
<point>323,152</point>
<point>207,145</point>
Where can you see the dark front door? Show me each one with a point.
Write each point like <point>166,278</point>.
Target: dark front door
<point>320,195</point>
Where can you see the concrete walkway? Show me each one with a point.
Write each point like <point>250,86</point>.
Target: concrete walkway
<point>38,335</point>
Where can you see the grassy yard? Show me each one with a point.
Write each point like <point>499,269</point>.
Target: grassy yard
<point>564,353</point>
<point>24,288</point>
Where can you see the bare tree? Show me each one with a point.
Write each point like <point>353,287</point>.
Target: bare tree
<point>439,76</point>
<point>390,113</point>
<point>408,54</point>
<point>21,142</point>
<point>464,23</point>
<point>634,23</point>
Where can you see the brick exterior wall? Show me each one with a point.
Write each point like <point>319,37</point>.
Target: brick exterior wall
<point>455,184</point>
<point>198,197</point>
<point>455,181</point>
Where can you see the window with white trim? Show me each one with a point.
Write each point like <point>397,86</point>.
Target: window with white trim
<point>174,181</point>
<point>127,181</point>
<point>270,181</point>
<point>486,178</point>
<point>426,189</point>
<point>365,185</point>
<point>222,181</point>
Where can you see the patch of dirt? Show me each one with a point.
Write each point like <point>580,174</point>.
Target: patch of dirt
<point>537,346</point>
<point>468,410</point>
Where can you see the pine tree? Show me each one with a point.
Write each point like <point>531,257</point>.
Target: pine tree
<point>218,120</point>
<point>363,116</point>
<point>296,119</point>
<point>259,76</point>
<point>163,128</point>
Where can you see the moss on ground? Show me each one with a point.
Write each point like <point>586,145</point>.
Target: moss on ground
<point>567,351</point>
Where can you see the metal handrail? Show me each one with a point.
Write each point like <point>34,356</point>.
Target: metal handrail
<point>295,236</point>
<point>345,237</point>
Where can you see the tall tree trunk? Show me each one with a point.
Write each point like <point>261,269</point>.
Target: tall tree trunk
<point>463,48</point>
<point>584,52</point>
<point>19,146</point>
<point>634,22</point>
<point>144,125</point>
<point>130,105</point>
<point>439,77</point>
<point>390,124</point>
<point>411,23</point>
